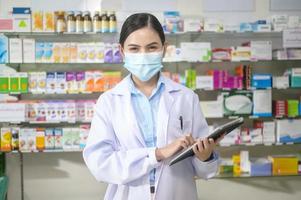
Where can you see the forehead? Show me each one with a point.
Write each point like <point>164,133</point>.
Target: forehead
<point>143,36</point>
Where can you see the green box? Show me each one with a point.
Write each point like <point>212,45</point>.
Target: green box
<point>14,83</point>
<point>293,108</point>
<point>23,82</point>
<point>4,81</point>
<point>190,75</point>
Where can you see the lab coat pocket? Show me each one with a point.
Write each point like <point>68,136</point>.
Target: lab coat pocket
<point>178,129</point>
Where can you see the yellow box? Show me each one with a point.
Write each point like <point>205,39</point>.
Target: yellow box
<point>236,165</point>
<point>40,139</point>
<point>284,165</point>
<point>6,138</point>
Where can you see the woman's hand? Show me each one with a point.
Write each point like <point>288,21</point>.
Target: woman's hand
<point>204,147</point>
<point>172,148</point>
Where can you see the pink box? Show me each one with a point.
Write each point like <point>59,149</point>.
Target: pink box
<point>6,25</point>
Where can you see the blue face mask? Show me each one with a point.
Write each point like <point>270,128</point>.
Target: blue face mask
<point>143,65</point>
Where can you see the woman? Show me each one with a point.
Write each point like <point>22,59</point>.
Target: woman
<point>144,121</point>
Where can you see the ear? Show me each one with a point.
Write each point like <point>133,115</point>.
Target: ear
<point>121,50</point>
<point>164,48</point>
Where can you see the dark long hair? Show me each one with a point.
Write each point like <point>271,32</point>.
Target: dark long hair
<point>138,21</point>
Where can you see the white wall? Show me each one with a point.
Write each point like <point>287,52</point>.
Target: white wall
<point>64,176</point>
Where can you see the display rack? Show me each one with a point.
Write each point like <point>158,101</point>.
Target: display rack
<point>217,39</point>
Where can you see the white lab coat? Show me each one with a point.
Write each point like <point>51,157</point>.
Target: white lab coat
<point>116,153</point>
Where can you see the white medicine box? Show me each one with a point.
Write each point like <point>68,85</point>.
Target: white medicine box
<point>21,19</point>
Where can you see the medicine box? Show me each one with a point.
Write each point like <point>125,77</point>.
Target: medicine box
<point>261,167</point>
<point>261,81</point>
<point>29,50</point>
<point>284,165</point>
<point>281,82</point>
<point>15,50</point>
<point>296,77</point>
<point>6,138</point>
<point>288,130</point>
<point>292,108</point>
<point>21,19</point>
<point>49,138</point>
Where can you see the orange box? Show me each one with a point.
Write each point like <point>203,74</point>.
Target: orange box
<point>40,139</point>
<point>284,165</point>
<point>99,81</point>
<point>89,80</point>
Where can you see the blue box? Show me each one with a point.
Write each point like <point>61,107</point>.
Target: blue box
<point>261,167</point>
<point>245,27</point>
<point>261,81</point>
<point>21,10</point>
<point>296,77</point>
<point>3,49</point>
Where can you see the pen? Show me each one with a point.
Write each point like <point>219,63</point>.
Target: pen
<point>181,122</point>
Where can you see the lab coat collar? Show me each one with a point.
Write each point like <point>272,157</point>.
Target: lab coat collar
<point>123,88</point>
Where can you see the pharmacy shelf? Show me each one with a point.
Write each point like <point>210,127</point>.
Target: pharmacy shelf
<point>46,123</point>
<point>203,34</point>
<point>252,117</point>
<point>80,150</point>
<point>49,151</point>
<point>209,34</point>
<point>258,144</point>
<point>252,89</point>
<point>82,96</point>
<point>225,176</point>
<point>164,62</point>
<point>14,34</point>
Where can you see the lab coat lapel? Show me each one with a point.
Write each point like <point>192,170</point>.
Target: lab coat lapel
<point>132,121</point>
<point>165,105</point>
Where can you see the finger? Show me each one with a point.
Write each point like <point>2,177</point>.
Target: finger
<point>184,143</point>
<point>212,143</point>
<point>200,145</point>
<point>219,139</point>
<point>195,149</point>
<point>190,139</point>
<point>206,143</point>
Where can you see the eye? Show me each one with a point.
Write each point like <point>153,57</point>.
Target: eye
<point>153,48</point>
<point>133,49</point>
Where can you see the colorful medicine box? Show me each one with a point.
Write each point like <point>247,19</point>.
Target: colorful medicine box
<point>262,81</point>
<point>296,77</point>
<point>284,165</point>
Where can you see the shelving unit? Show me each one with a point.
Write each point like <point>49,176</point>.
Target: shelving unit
<point>227,39</point>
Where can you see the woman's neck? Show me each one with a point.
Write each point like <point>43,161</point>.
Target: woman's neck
<point>146,87</point>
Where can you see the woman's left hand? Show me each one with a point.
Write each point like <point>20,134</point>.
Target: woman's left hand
<point>203,148</point>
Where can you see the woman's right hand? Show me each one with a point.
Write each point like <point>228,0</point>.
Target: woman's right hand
<point>172,148</point>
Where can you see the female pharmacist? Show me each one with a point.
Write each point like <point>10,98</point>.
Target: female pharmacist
<point>146,119</point>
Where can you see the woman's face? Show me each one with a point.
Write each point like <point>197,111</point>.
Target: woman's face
<point>144,40</point>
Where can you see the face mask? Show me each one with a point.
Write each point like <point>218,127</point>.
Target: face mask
<point>143,65</point>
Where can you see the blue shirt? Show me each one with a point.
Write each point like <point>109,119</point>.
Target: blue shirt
<point>146,111</point>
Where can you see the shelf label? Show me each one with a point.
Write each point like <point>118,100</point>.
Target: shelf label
<point>292,38</point>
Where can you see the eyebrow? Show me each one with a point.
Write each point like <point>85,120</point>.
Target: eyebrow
<point>136,45</point>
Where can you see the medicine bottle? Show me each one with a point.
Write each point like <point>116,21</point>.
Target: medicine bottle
<point>61,22</point>
<point>112,22</point>
<point>71,22</point>
<point>79,22</point>
<point>96,22</point>
<point>87,22</point>
<point>104,22</point>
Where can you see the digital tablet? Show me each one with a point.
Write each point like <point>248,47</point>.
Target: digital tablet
<point>216,133</point>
